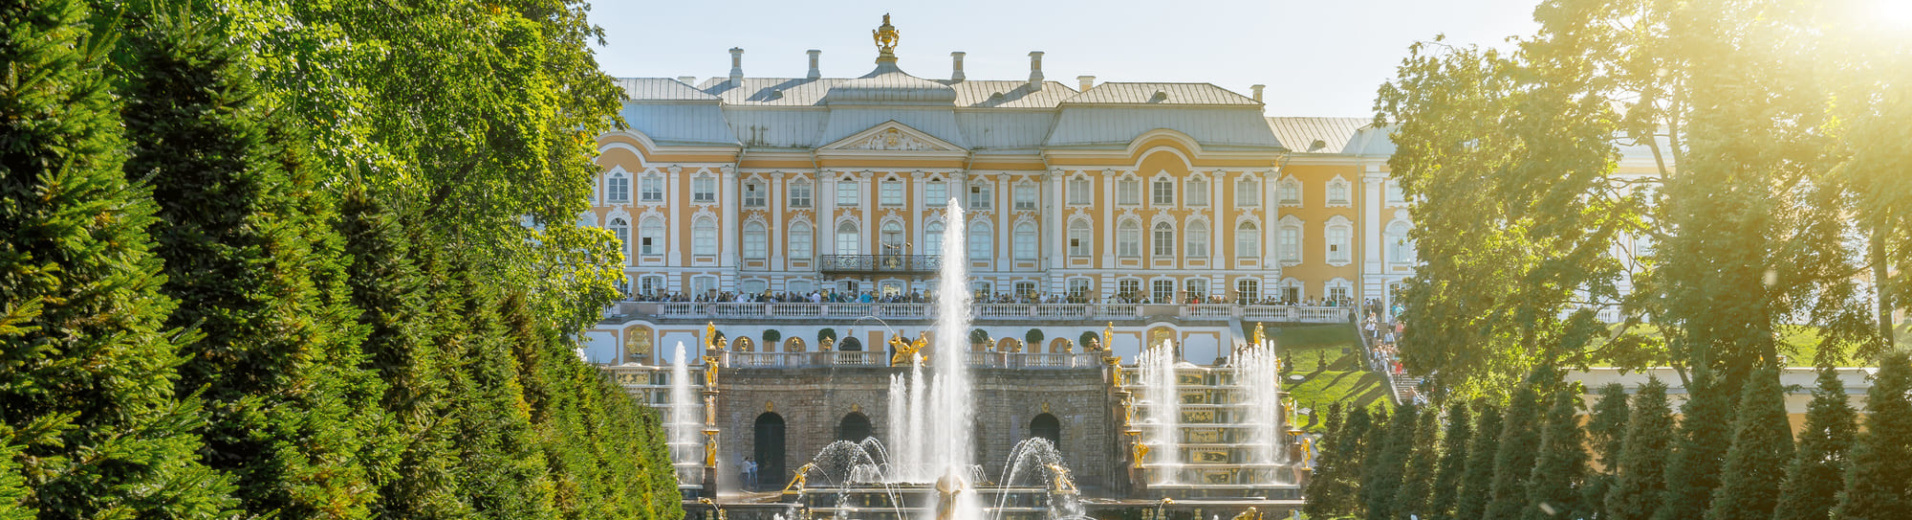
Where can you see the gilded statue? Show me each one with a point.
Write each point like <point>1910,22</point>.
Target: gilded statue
<point>1260,336</point>
<point>1128,410</point>
<point>710,454</point>
<point>1108,337</point>
<point>1250,514</point>
<point>1141,452</point>
<point>827,345</point>
<point>710,409</point>
<point>802,479</point>
<point>1063,485</point>
<point>886,36</point>
<point>905,350</point>
<point>710,372</point>
<point>1307,451</point>
<point>710,335</point>
<point>948,487</point>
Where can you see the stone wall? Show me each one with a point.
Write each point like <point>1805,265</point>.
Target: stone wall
<point>813,401</point>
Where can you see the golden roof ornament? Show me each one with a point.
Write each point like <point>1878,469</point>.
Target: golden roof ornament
<point>886,37</point>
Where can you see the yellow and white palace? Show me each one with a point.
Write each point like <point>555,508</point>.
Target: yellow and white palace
<point>1097,192</point>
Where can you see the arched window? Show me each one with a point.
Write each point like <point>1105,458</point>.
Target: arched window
<point>650,237</point>
<point>1162,192</point>
<point>1248,191</point>
<point>1290,192</point>
<point>1247,240</point>
<point>618,188</point>
<point>800,240</point>
<point>1291,243</point>
<point>1338,192</point>
<point>1025,241</point>
<point>1079,245</point>
<point>892,236</point>
<point>1045,426</point>
<point>703,237</point>
<point>1164,240</point>
<point>933,238</point>
<point>1128,239</point>
<point>854,427</point>
<point>756,241</point>
<point>623,231</point>
<point>1400,249</point>
<point>979,242</point>
<point>849,240</point>
<point>1197,240</point>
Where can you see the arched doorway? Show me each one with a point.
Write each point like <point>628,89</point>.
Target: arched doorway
<point>1046,426</point>
<point>850,345</point>
<point>854,427</point>
<point>769,453</point>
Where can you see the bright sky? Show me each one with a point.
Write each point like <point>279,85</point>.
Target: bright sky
<point>1318,57</point>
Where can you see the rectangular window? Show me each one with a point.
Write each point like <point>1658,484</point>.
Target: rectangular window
<point>1196,195</point>
<point>1291,244</point>
<point>1247,192</point>
<point>1078,288</point>
<point>703,189</point>
<point>1128,192</point>
<point>1196,288</point>
<point>980,196</point>
<point>847,193</point>
<point>1338,293</point>
<point>754,195</point>
<point>1027,289</point>
<point>1130,288</point>
<point>1079,192</point>
<point>653,189</point>
<point>800,242</point>
<point>1162,291</point>
<point>892,193</point>
<point>618,189</point>
<point>800,194</point>
<point>1338,244</point>
<point>648,246</point>
<point>1128,242</point>
<point>1162,192</point>
<point>1025,197</point>
<point>937,192</point>
<point>1079,239</point>
<point>1394,193</point>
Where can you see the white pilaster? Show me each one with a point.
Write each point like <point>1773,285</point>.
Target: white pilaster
<point>672,194</point>
<point>825,200</point>
<point>731,226</point>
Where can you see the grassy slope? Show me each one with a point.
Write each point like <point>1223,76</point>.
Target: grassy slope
<point>1329,375</point>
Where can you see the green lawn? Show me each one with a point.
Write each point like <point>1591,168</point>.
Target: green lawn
<point>1798,343</point>
<point>1328,374</point>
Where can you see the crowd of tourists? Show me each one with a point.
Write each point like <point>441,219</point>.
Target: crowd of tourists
<point>918,296</point>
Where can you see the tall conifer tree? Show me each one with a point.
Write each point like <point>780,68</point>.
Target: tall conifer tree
<point>1384,476</point>
<point>1639,482</point>
<point>90,426</point>
<point>1514,457</point>
<point>1554,489</point>
<point>1818,467</point>
<point>1705,433</point>
<point>1453,462</point>
<point>1756,463</point>
<point>249,255</point>
<point>1417,483</point>
<point>1606,434</point>
<point>1879,475</point>
<point>1477,483</point>
<point>1337,475</point>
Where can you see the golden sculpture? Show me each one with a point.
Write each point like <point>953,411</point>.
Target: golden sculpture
<point>1307,451</point>
<point>710,409</point>
<point>1108,338</point>
<point>905,351</point>
<point>1259,335</point>
<point>828,344</point>
<point>1128,410</point>
<point>802,479</point>
<point>1250,514</point>
<point>1063,485</point>
<point>710,372</point>
<point>886,36</point>
<point>713,505</point>
<point>710,335</point>
<point>1141,452</point>
<point>948,487</point>
<point>710,453</point>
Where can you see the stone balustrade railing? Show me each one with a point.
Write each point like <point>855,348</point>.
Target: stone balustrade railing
<point>985,311</point>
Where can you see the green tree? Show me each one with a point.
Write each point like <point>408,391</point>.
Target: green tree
<point>1383,480</point>
<point>1333,490</point>
<point>1417,483</point>
<point>1554,489</point>
<point>1453,462</point>
<point>1818,467</point>
<point>1033,338</point>
<point>1518,446</point>
<point>1639,481</point>
<point>1606,434</point>
<point>1374,462</point>
<point>250,257</point>
<point>1755,464</point>
<point>1087,338</point>
<point>1704,435</point>
<point>90,426</point>
<point>501,473</point>
<point>1879,475</point>
<point>1477,483</point>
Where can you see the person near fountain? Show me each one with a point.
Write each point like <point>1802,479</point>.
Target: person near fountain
<point>948,488</point>
<point>749,470</point>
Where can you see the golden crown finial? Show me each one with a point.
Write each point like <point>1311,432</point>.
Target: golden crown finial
<point>886,36</point>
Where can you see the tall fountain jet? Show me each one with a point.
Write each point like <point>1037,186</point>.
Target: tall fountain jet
<point>932,417</point>
<point>685,421</point>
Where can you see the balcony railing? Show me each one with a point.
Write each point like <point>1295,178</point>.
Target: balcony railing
<point>987,311</point>
<point>919,264</point>
<point>653,382</point>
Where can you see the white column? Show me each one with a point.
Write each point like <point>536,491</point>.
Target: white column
<point>1218,229</point>
<point>825,199</point>
<point>1371,266</point>
<point>775,234</point>
<point>679,215</point>
<point>731,226</point>
<point>866,199</point>
<point>1268,223</point>
<point>918,197</point>
<point>1004,217</point>
<point>1108,220</point>
<point>1054,231</point>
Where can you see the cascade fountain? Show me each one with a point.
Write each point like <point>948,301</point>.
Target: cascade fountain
<point>686,423</point>
<point>929,434</point>
<point>1163,426</point>
<point>1258,375</point>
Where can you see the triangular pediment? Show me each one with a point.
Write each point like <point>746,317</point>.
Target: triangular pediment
<point>891,136</point>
